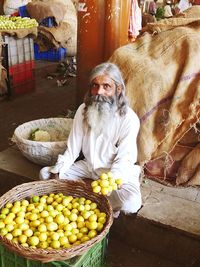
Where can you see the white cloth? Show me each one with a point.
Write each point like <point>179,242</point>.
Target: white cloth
<point>135,21</point>
<point>168,11</point>
<point>183,5</point>
<point>113,150</point>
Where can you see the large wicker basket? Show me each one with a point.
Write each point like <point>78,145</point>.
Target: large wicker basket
<point>43,153</point>
<point>76,189</point>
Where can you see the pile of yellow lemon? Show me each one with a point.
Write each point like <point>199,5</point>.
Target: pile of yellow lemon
<point>51,221</point>
<point>106,184</point>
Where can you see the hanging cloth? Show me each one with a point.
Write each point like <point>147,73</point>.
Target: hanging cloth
<point>135,21</point>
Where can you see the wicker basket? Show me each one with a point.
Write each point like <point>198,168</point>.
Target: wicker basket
<point>43,153</point>
<point>75,189</point>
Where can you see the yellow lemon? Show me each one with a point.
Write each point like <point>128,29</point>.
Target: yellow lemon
<point>42,228</point>
<point>33,241</point>
<point>103,176</point>
<point>104,191</point>
<point>94,183</point>
<point>72,238</point>
<point>28,232</point>
<point>35,199</point>
<point>55,244</point>
<point>16,232</point>
<point>92,233</point>
<point>9,236</point>
<point>63,240</point>
<point>5,211</point>
<point>22,239</point>
<point>118,181</point>
<point>104,183</point>
<point>97,189</point>
<point>42,236</point>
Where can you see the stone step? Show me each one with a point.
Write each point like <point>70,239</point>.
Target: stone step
<point>168,224</point>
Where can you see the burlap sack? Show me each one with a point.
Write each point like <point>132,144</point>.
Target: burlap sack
<point>192,137</point>
<point>61,36</point>
<point>162,75</point>
<point>40,10</point>
<point>168,167</point>
<point>11,6</point>
<point>65,34</point>
<point>190,168</point>
<point>21,33</point>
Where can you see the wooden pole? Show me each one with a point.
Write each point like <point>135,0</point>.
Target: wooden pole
<point>91,16</point>
<point>116,25</point>
<point>102,28</point>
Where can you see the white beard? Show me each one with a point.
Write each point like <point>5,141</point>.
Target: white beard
<point>99,116</point>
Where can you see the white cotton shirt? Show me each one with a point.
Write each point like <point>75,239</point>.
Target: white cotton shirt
<point>115,149</point>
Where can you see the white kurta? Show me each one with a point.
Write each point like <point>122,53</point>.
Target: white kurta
<point>113,150</point>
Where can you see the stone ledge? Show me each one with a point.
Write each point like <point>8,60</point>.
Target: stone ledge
<point>180,210</point>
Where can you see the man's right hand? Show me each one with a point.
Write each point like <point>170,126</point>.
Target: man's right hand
<point>51,172</point>
<point>45,173</point>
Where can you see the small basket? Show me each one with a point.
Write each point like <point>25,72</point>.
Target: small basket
<point>43,153</point>
<point>75,189</point>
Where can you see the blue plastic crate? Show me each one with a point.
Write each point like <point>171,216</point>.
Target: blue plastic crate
<point>23,12</point>
<point>48,22</point>
<point>50,55</point>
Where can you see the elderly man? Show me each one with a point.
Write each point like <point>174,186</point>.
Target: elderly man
<point>105,129</point>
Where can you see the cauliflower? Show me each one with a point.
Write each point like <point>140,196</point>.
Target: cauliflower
<point>40,135</point>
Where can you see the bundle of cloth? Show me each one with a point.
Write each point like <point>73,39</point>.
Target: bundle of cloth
<point>162,74</point>
<point>64,34</point>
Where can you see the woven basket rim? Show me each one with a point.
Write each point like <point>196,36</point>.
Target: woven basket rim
<point>47,255</point>
<point>21,139</point>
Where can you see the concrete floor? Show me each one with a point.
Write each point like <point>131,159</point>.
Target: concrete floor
<point>169,215</point>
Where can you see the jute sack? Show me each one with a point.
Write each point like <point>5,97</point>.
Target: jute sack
<point>189,171</point>
<point>63,35</point>
<point>40,10</point>
<point>21,33</point>
<point>11,6</point>
<point>162,76</point>
<point>168,167</point>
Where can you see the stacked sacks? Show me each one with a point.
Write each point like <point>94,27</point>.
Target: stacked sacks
<point>65,33</point>
<point>11,6</point>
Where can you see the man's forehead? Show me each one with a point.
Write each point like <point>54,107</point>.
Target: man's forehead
<point>103,79</point>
